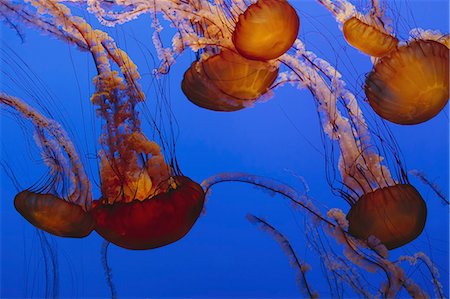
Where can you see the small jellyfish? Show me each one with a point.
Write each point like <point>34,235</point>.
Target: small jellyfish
<point>410,85</point>
<point>396,215</point>
<point>227,81</point>
<point>266,30</point>
<point>368,38</point>
<point>49,207</point>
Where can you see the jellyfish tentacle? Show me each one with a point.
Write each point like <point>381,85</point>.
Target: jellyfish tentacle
<point>300,266</point>
<point>430,34</point>
<point>396,277</point>
<point>25,15</point>
<point>107,269</point>
<point>420,256</point>
<point>268,184</point>
<point>436,189</point>
<point>354,141</point>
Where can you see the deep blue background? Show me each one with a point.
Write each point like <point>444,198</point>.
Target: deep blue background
<point>223,255</point>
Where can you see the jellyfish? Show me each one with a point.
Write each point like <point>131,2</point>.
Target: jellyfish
<point>266,30</point>
<point>66,216</point>
<point>227,81</point>
<point>408,84</point>
<point>370,33</point>
<point>368,39</point>
<point>396,215</point>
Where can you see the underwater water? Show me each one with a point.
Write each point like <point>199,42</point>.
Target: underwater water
<point>224,255</point>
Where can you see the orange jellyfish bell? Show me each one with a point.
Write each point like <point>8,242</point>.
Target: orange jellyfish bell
<point>227,81</point>
<point>266,30</point>
<point>54,215</point>
<point>396,215</point>
<point>154,222</point>
<point>367,38</point>
<point>410,85</point>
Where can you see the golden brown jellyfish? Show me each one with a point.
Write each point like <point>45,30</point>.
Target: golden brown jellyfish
<point>411,84</point>
<point>396,215</point>
<point>45,208</point>
<point>368,38</point>
<point>227,81</point>
<point>266,30</point>
<point>54,215</point>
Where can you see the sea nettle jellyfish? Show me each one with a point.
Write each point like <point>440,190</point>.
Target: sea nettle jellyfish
<point>145,202</point>
<point>233,42</point>
<point>266,30</point>
<point>56,208</point>
<point>227,81</point>
<point>409,83</point>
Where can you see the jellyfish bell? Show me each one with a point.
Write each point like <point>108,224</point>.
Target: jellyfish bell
<point>368,38</point>
<point>227,81</point>
<point>396,215</point>
<point>201,92</point>
<point>54,214</point>
<point>266,30</point>
<point>154,222</point>
<point>411,84</point>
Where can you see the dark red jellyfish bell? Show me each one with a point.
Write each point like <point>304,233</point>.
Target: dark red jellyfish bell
<point>411,84</point>
<point>153,222</point>
<point>227,81</point>
<point>396,215</point>
<point>266,30</point>
<point>54,215</point>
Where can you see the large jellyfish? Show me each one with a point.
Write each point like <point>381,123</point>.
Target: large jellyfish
<point>228,259</point>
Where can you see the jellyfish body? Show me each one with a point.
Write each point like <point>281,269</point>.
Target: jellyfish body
<point>367,38</point>
<point>396,215</point>
<point>266,30</point>
<point>54,215</point>
<point>154,222</point>
<point>411,84</point>
<point>227,81</point>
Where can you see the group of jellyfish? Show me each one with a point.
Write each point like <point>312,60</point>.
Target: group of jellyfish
<point>146,202</point>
